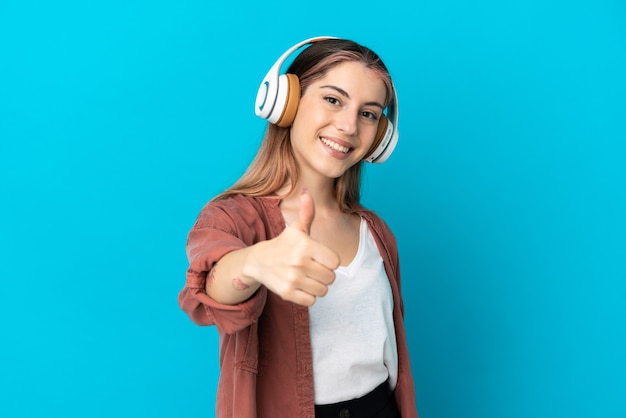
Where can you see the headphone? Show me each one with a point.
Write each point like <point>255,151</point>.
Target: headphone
<point>279,94</point>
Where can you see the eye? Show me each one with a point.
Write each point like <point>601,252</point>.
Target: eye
<point>369,115</point>
<point>332,100</point>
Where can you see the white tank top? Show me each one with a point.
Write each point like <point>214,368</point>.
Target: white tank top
<point>352,331</point>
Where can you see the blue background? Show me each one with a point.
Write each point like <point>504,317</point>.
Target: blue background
<point>507,193</point>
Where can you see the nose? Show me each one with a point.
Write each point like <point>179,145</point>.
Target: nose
<point>346,122</point>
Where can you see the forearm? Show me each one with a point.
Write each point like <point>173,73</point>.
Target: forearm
<point>229,282</point>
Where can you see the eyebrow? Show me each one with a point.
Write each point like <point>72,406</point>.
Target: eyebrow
<point>345,93</point>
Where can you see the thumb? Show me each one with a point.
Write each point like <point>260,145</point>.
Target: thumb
<point>307,212</point>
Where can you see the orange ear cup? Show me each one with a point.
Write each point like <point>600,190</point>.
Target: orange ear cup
<point>291,105</point>
<point>380,134</point>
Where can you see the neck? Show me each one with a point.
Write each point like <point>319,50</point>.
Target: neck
<point>323,194</point>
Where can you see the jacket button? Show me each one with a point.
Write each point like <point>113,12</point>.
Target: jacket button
<point>344,413</point>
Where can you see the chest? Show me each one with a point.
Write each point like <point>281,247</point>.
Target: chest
<point>341,237</point>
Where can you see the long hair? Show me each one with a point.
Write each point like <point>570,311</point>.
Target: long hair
<point>274,165</point>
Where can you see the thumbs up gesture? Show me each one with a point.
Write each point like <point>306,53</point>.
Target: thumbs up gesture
<point>294,265</point>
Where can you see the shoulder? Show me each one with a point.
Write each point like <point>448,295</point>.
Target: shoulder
<point>238,210</point>
<point>378,225</point>
<point>385,240</point>
<point>381,232</point>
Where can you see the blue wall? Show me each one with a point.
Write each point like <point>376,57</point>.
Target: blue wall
<point>507,193</point>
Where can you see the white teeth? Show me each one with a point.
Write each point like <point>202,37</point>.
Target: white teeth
<point>335,145</point>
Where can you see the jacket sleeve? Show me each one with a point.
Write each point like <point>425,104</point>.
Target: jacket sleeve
<point>216,233</point>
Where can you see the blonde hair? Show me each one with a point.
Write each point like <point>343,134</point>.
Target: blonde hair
<point>274,165</point>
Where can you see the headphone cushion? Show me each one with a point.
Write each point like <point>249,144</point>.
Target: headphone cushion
<point>291,102</point>
<point>383,122</point>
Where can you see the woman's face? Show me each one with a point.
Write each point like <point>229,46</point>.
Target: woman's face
<point>337,119</point>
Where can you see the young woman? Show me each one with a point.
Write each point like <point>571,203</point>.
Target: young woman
<point>302,282</point>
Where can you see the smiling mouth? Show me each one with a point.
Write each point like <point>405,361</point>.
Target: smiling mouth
<point>335,146</point>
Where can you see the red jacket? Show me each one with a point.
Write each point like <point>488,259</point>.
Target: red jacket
<point>265,348</point>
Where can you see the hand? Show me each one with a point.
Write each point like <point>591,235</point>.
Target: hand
<point>293,265</point>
